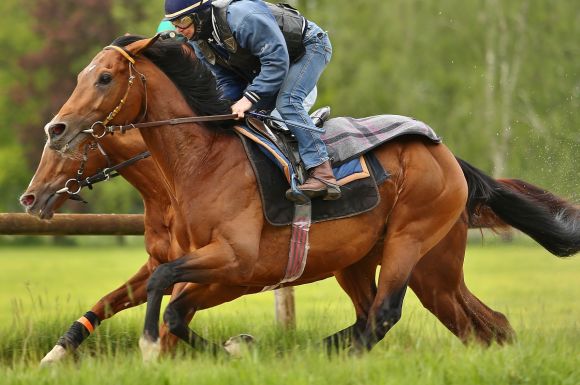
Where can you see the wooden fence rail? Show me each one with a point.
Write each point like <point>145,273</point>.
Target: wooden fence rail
<point>72,224</point>
<point>115,224</point>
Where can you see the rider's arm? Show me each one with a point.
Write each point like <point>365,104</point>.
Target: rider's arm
<point>259,33</point>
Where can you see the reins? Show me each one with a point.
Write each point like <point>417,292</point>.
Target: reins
<point>74,185</point>
<point>106,129</point>
<point>122,129</point>
<point>102,175</point>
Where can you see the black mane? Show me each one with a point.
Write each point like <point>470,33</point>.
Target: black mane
<point>196,83</point>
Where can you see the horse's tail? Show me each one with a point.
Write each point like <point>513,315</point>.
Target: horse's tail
<point>549,220</point>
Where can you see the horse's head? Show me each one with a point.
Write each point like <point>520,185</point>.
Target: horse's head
<point>54,172</point>
<point>109,90</point>
<point>41,198</point>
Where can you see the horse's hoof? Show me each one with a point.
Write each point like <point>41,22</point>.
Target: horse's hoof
<point>150,350</point>
<point>356,350</point>
<point>236,346</point>
<point>56,354</point>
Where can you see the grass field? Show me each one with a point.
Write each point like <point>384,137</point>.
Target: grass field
<point>44,288</point>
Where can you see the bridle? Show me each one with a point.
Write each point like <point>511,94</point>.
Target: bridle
<point>74,185</point>
<point>123,100</point>
<point>109,129</point>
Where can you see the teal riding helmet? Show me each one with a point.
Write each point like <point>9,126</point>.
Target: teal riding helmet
<point>165,25</point>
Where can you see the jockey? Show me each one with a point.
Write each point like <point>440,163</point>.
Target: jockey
<point>263,56</point>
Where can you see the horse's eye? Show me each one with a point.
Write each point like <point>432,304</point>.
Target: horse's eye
<point>105,78</point>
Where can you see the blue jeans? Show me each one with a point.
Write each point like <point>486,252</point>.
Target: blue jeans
<point>302,78</point>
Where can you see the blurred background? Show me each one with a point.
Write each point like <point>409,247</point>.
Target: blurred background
<point>498,80</point>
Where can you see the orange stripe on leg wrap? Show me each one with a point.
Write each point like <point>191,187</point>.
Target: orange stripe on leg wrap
<point>86,323</point>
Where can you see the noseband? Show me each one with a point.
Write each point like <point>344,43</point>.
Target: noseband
<point>73,186</point>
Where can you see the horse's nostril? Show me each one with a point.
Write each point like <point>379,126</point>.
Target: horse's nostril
<point>27,200</point>
<point>56,129</point>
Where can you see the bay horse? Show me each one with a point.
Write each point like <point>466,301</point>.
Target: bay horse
<point>437,279</point>
<point>217,212</point>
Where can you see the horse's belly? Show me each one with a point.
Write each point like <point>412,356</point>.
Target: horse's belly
<point>333,245</point>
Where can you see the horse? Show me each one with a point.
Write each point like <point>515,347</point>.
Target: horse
<point>218,220</point>
<point>437,277</point>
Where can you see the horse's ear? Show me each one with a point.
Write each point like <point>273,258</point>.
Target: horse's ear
<point>141,45</point>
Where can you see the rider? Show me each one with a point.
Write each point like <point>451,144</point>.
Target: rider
<point>263,56</point>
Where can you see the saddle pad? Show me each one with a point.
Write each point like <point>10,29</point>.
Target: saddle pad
<point>273,171</point>
<point>348,138</point>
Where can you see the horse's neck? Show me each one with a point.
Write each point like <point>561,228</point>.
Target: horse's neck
<point>142,175</point>
<point>181,149</point>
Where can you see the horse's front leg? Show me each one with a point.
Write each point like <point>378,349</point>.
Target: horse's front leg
<point>211,263</point>
<point>131,293</point>
<point>183,306</point>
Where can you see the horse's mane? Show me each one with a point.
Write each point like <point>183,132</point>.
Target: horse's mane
<point>195,81</point>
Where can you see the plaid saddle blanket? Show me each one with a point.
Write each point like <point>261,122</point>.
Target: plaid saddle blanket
<point>350,143</point>
<point>348,138</point>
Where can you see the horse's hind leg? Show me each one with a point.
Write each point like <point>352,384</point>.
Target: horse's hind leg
<point>358,281</point>
<point>437,280</point>
<point>428,204</point>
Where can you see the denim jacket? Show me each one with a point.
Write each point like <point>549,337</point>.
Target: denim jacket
<point>256,30</point>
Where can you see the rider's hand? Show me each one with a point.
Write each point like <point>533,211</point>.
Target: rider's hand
<point>241,106</point>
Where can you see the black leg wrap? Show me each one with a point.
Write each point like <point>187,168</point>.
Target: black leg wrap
<point>93,319</point>
<point>77,333</point>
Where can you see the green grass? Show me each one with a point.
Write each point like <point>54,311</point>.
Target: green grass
<point>44,288</point>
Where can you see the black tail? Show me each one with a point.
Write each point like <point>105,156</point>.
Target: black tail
<point>554,226</point>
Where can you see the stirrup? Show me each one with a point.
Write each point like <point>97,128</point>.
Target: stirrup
<point>331,193</point>
<point>297,197</point>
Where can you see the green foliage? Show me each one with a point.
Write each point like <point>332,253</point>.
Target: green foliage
<point>139,17</point>
<point>430,60</point>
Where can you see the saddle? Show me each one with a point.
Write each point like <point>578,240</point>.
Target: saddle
<point>271,148</point>
<point>285,141</point>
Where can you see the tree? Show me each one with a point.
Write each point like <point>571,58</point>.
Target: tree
<point>39,72</point>
<point>69,37</point>
<point>505,46</point>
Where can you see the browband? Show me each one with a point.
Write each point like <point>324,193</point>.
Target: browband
<point>122,51</point>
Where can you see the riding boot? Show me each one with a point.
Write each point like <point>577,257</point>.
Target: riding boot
<point>321,183</point>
